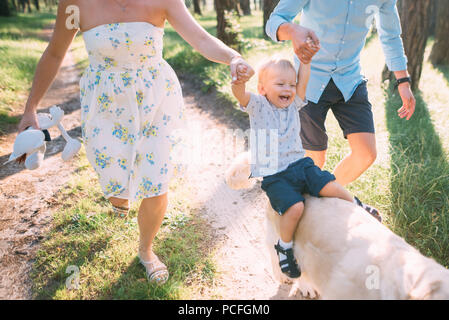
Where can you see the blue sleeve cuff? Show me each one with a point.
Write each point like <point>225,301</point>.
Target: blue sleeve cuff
<point>273,25</point>
<point>397,64</point>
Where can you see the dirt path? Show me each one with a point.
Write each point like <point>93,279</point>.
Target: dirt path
<point>27,197</point>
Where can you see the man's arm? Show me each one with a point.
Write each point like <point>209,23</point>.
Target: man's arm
<point>389,29</point>
<point>285,11</point>
<point>280,27</point>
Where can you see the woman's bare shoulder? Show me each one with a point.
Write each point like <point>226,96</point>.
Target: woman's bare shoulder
<point>65,3</point>
<point>171,4</point>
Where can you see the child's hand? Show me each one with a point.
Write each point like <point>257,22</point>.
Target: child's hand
<point>312,45</point>
<point>244,72</point>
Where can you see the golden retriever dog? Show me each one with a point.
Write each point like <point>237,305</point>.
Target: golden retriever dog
<point>345,253</point>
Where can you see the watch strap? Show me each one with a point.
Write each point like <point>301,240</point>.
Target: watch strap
<point>402,80</point>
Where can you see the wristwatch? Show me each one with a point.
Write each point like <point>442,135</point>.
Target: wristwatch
<point>402,80</point>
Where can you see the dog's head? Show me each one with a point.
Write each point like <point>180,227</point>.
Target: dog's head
<point>425,279</point>
<point>433,285</point>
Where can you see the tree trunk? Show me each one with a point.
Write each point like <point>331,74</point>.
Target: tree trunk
<point>440,50</point>
<point>246,7</point>
<point>415,15</point>
<point>4,8</point>
<point>22,5</point>
<point>433,18</point>
<point>14,5</point>
<point>227,10</point>
<point>268,7</point>
<point>196,7</point>
<point>28,6</point>
<point>36,4</point>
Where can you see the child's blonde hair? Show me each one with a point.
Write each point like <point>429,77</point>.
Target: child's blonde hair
<point>273,62</point>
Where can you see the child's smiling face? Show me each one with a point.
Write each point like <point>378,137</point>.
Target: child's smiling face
<point>279,86</point>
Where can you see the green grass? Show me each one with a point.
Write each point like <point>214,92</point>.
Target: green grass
<point>420,180</point>
<point>20,51</point>
<point>103,247</point>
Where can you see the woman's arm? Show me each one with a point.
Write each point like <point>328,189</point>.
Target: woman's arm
<point>49,64</point>
<point>210,47</point>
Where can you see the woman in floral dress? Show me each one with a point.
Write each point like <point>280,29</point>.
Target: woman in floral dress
<point>131,99</point>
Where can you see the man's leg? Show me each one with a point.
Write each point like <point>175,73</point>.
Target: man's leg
<point>363,154</point>
<point>355,118</point>
<point>313,131</point>
<point>318,157</point>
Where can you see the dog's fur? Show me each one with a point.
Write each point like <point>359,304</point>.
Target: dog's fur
<point>344,253</point>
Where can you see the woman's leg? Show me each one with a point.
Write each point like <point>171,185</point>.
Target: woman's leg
<point>151,214</point>
<point>118,202</point>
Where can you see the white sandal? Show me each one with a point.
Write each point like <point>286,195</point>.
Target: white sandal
<point>121,212</point>
<point>156,271</point>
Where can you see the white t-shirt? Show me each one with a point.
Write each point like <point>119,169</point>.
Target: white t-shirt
<point>274,136</point>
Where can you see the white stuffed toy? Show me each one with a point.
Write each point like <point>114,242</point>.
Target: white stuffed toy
<point>31,142</point>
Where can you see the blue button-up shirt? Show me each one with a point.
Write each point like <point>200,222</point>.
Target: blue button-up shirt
<point>342,27</point>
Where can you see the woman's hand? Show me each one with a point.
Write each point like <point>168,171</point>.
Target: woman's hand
<point>29,119</point>
<point>241,71</point>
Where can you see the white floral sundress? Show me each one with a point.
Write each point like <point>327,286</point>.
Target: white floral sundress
<point>131,104</point>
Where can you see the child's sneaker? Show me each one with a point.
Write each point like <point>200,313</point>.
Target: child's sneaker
<point>288,265</point>
<point>371,210</point>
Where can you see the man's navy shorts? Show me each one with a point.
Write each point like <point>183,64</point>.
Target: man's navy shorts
<point>287,187</point>
<point>353,116</point>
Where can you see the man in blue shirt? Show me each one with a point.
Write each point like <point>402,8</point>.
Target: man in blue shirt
<point>340,28</point>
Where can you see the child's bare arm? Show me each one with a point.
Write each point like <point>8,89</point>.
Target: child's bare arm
<point>304,72</point>
<point>240,93</point>
<point>303,79</point>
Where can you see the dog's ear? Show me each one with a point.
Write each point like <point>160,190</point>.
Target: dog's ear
<point>237,176</point>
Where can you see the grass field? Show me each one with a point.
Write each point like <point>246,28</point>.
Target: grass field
<point>20,50</point>
<point>409,181</point>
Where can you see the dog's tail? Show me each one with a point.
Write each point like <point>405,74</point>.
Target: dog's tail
<point>237,176</point>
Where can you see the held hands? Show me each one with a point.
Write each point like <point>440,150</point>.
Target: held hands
<point>408,101</point>
<point>241,71</point>
<point>305,43</point>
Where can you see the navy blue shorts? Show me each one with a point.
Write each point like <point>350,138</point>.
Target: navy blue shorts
<point>287,187</point>
<point>353,116</point>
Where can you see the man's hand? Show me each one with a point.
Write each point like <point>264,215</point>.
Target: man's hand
<point>408,101</point>
<point>305,42</point>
